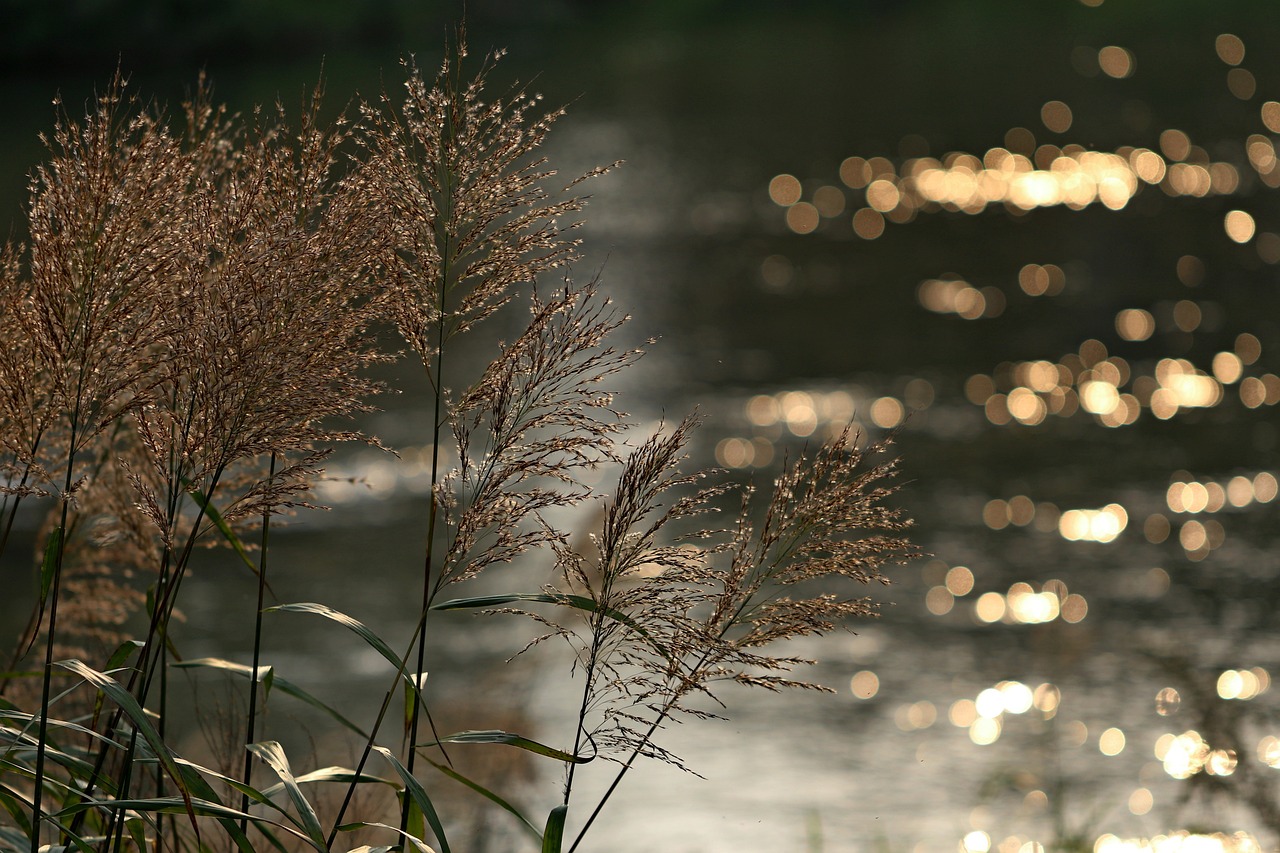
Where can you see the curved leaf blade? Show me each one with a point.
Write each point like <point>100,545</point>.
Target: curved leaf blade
<point>564,599</point>
<point>553,835</point>
<point>279,682</point>
<point>419,795</point>
<point>273,755</point>
<point>510,739</point>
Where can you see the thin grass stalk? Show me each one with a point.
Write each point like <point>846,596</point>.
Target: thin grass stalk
<point>249,736</point>
<point>47,678</point>
<point>145,666</point>
<point>54,590</point>
<point>428,592</point>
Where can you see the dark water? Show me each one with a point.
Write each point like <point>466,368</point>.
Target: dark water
<point>1085,342</point>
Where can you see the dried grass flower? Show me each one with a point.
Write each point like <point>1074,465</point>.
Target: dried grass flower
<point>471,209</point>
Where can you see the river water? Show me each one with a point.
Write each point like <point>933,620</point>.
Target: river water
<point>1044,245</point>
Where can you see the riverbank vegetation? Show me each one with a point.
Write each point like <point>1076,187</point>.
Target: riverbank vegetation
<point>189,332</point>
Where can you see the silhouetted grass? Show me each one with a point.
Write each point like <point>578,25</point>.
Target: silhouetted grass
<point>191,318</point>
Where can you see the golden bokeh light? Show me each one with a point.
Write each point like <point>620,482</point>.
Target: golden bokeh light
<point>1248,347</point>
<point>1230,48</point>
<point>868,223</point>
<point>1242,83</point>
<point>959,580</point>
<point>985,730</point>
<point>1093,525</point>
<point>1042,279</point>
<point>1111,742</point>
<point>887,412</point>
<point>784,190</point>
<point>1175,144</point>
<point>939,601</point>
<point>1135,324</point>
<point>1181,841</point>
<point>975,842</point>
<point>1190,270</point>
<point>1228,368</point>
<point>995,514</point>
<point>1056,116</point>
<point>1269,751</point>
<point>1168,700</point>
<point>1141,801</point>
<point>1116,62</point>
<point>1271,116</point>
<point>829,201</point>
<point>802,217</point>
<point>962,713</point>
<point>989,607</point>
<point>1222,762</point>
<point>735,453</point>
<point>1185,755</point>
<point>864,684</point>
<point>883,195</point>
<point>915,716</point>
<point>953,295</point>
<point>1239,226</point>
<point>1046,698</point>
<point>1265,487</point>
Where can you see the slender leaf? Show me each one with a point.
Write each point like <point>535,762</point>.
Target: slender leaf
<point>578,602</point>
<point>179,805</point>
<point>419,794</point>
<point>127,703</point>
<point>273,755</point>
<point>487,794</point>
<point>18,807</point>
<point>137,831</point>
<point>225,529</point>
<point>497,736</point>
<point>412,696</point>
<point>49,566</point>
<point>284,685</point>
<point>553,836</point>
<point>346,621</point>
<point>329,774</point>
<point>416,842</point>
<point>120,655</point>
<point>196,783</point>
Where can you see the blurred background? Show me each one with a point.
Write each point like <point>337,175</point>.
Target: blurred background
<point>1039,238</point>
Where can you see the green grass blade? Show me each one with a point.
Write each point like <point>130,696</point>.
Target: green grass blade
<point>137,831</point>
<point>194,775</point>
<point>18,807</point>
<point>194,805</point>
<point>273,755</point>
<point>578,602</point>
<point>329,774</point>
<point>497,736</point>
<point>355,625</point>
<point>213,515</point>
<point>553,836</point>
<point>419,795</point>
<point>285,686</point>
<point>49,566</point>
<point>487,794</point>
<point>127,703</point>
<point>416,842</point>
